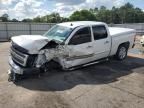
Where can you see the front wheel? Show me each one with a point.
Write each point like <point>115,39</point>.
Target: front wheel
<point>121,52</point>
<point>13,77</point>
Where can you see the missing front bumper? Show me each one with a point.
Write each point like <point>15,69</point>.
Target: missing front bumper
<point>20,70</point>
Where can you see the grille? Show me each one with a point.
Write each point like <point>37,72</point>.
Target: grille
<point>19,57</point>
<point>18,48</point>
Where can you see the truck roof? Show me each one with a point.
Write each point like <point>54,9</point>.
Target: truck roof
<point>80,23</point>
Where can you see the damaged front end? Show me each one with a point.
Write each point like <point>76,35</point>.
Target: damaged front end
<point>22,63</point>
<point>31,53</point>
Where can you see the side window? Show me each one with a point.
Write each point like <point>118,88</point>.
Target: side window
<point>99,32</point>
<point>81,36</point>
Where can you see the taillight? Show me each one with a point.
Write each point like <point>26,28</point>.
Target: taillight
<point>135,38</point>
<point>134,42</point>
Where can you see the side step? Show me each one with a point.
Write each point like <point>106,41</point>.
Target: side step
<point>88,64</point>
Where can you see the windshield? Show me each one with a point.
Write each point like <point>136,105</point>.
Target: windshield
<point>59,33</point>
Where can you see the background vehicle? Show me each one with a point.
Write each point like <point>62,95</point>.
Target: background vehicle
<point>142,41</point>
<point>68,45</point>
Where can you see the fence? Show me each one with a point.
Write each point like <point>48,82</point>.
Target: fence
<point>8,30</point>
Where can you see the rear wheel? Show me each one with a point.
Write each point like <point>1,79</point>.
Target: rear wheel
<point>121,52</point>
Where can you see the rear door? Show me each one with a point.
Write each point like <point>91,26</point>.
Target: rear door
<point>102,42</point>
<point>80,47</point>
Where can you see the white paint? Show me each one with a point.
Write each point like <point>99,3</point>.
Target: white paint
<point>115,31</point>
<point>80,23</point>
<point>73,55</point>
<point>33,43</point>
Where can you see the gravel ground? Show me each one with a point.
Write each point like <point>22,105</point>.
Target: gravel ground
<point>112,84</point>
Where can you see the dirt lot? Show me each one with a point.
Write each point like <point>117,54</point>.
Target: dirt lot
<point>111,84</point>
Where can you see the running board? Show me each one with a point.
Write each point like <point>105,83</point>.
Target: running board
<point>88,64</point>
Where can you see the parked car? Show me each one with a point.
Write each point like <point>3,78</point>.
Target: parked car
<point>68,46</point>
<point>142,41</point>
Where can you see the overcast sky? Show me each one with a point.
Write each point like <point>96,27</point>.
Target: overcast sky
<point>21,9</point>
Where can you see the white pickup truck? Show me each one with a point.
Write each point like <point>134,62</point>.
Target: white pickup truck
<point>68,45</point>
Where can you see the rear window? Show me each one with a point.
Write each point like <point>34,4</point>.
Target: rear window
<point>99,32</point>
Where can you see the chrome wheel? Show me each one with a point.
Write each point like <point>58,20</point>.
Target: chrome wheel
<point>121,53</point>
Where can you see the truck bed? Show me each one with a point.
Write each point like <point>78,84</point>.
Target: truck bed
<point>121,35</point>
<point>116,31</point>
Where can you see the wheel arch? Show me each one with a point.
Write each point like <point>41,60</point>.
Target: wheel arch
<point>127,44</point>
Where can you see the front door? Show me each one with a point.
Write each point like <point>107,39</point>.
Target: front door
<point>80,48</point>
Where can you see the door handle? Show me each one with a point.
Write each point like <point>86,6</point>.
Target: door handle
<point>106,42</point>
<point>89,46</point>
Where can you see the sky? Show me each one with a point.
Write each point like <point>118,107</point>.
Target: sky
<point>21,9</point>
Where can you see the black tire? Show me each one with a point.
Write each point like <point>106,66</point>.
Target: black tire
<point>51,65</point>
<point>10,77</point>
<point>13,77</point>
<point>121,52</point>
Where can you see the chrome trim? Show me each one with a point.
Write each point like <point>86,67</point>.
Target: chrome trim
<point>20,56</point>
<point>15,68</point>
<point>79,57</point>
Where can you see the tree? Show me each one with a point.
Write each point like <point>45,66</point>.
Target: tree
<point>102,8</point>
<point>37,19</point>
<point>127,13</point>
<point>138,15</point>
<point>115,16</point>
<point>4,18</point>
<point>14,20</point>
<point>64,19</point>
<point>52,18</point>
<point>124,14</point>
<point>27,20</point>
<point>104,15</point>
<point>82,15</point>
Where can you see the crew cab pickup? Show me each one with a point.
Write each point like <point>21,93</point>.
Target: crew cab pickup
<point>68,46</point>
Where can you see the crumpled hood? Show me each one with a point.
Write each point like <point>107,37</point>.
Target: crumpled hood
<point>32,43</point>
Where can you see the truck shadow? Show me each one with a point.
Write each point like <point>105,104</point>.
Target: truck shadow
<point>102,73</point>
